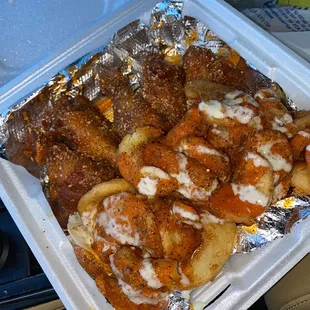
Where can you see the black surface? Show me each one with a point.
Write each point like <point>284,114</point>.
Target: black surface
<point>4,248</point>
<point>259,305</point>
<point>22,281</point>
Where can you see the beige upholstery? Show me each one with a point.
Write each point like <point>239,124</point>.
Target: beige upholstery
<point>292,292</point>
<point>51,305</point>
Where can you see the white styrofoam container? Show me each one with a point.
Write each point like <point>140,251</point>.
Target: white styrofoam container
<point>248,276</point>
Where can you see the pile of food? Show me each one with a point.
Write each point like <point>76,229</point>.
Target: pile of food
<point>152,183</point>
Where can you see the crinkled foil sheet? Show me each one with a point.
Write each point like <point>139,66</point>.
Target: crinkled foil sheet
<point>169,34</point>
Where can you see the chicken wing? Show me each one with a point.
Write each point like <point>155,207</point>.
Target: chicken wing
<point>71,175</point>
<point>162,88</point>
<point>130,110</point>
<point>87,129</point>
<point>201,63</point>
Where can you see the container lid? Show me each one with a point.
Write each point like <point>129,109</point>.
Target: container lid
<point>30,29</point>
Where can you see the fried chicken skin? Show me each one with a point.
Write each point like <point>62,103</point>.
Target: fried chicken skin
<point>162,88</point>
<point>71,175</point>
<point>180,236</point>
<point>195,181</point>
<point>201,63</point>
<point>205,153</point>
<point>110,287</point>
<point>249,193</point>
<point>108,284</point>
<point>191,124</point>
<point>130,109</point>
<point>88,130</point>
<point>133,223</point>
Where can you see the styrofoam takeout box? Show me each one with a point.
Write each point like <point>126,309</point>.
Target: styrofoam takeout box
<point>248,276</point>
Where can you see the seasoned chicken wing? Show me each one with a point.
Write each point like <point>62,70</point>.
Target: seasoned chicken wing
<point>71,175</point>
<point>89,131</point>
<point>195,181</point>
<point>275,114</point>
<point>191,124</point>
<point>130,110</point>
<point>162,88</point>
<point>180,236</point>
<point>201,63</point>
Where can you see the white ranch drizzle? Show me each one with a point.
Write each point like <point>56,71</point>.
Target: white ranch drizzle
<point>197,225</point>
<point>304,134</point>
<point>223,133</point>
<point>206,150</point>
<point>278,124</point>
<point>257,160</point>
<point>106,245</point>
<point>233,94</point>
<point>263,93</point>
<point>277,162</point>
<point>256,122</point>
<point>186,186</point>
<point>185,214</point>
<point>154,172</point>
<point>308,148</point>
<point>212,108</point>
<point>134,295</point>
<point>137,296</point>
<point>243,114</point>
<point>119,230</point>
<point>231,98</point>
<point>250,193</point>
<point>232,101</point>
<point>147,186</point>
<point>189,218</point>
<point>148,273</point>
<point>202,149</point>
<point>184,279</point>
<point>207,217</point>
<point>230,108</point>
<point>148,183</point>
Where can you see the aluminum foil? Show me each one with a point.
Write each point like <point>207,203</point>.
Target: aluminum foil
<point>275,222</point>
<point>178,302</point>
<point>170,34</point>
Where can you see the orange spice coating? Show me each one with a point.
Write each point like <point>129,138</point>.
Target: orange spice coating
<point>166,158</point>
<point>201,150</point>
